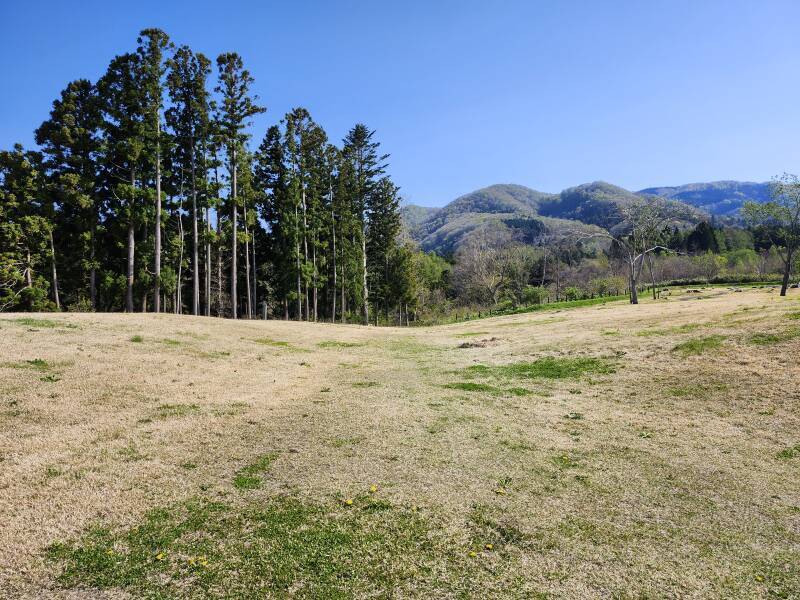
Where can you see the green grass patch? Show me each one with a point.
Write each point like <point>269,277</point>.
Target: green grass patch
<point>701,345</point>
<point>365,384</point>
<point>249,477</point>
<point>284,547</point>
<point>165,411</point>
<point>40,323</point>
<point>137,339</point>
<point>471,386</point>
<point>556,368</point>
<point>337,344</point>
<point>471,334</point>
<point>685,328</point>
<point>769,339</point>
<point>791,452</point>
<point>795,316</point>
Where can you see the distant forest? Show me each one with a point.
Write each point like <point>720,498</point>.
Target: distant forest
<point>146,193</point>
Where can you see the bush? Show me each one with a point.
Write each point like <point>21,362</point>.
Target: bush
<point>81,305</point>
<point>533,295</point>
<point>572,293</point>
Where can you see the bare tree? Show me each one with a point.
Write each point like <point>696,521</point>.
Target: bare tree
<point>643,222</point>
<point>781,216</point>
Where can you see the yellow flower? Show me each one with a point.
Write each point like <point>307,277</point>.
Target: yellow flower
<point>349,502</point>
<point>110,552</point>
<point>489,546</point>
<point>160,556</point>
<point>500,491</point>
<point>473,554</point>
<point>373,488</point>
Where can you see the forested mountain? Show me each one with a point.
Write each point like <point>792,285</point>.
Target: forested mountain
<point>719,198</point>
<point>525,213</point>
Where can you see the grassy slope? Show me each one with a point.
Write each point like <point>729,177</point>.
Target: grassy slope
<point>607,450</point>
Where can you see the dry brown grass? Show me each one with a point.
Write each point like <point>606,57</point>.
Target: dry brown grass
<point>661,479</point>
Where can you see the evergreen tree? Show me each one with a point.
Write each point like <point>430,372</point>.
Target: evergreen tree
<point>233,116</point>
<point>366,167</point>
<point>152,45</point>
<point>122,104</point>
<point>189,119</point>
<point>71,144</point>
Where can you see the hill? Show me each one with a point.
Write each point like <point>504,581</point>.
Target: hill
<point>718,198</point>
<point>524,213</point>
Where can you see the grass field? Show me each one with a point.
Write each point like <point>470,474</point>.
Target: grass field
<point>609,451</point>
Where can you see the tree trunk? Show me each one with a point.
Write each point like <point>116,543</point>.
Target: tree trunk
<point>234,231</point>
<point>364,271</point>
<point>157,273</point>
<point>632,283</point>
<point>297,264</point>
<point>333,230</point>
<point>247,264</point>
<point>314,262</point>
<point>178,286</point>
<point>208,264</point>
<point>652,275</point>
<point>195,254</point>
<point>219,265</point>
<point>255,280</point>
<point>93,270</point>
<point>55,274</point>
<point>305,252</point>
<point>787,271</point>
<point>131,247</point>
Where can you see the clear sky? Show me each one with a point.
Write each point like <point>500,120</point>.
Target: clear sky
<point>466,93</point>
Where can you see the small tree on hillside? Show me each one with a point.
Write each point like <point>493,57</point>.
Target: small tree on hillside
<point>781,217</point>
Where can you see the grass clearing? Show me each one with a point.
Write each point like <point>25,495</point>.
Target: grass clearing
<point>556,462</point>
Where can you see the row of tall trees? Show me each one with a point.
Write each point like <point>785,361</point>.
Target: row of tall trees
<point>144,194</point>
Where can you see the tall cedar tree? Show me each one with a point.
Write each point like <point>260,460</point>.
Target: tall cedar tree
<point>233,116</point>
<point>366,167</point>
<point>70,142</point>
<point>188,118</point>
<point>152,45</point>
<point>122,104</point>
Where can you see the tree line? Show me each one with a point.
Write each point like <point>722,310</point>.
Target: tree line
<point>145,195</point>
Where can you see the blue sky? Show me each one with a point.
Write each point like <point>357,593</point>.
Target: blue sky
<point>464,94</point>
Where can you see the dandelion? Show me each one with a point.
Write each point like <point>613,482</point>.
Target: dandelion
<point>473,554</point>
<point>349,502</point>
<point>110,552</point>
<point>373,488</point>
<point>500,491</point>
<point>160,556</point>
<point>489,547</point>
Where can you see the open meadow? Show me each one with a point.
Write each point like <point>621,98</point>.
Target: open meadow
<point>605,451</point>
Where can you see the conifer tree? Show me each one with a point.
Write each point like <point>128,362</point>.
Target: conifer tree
<point>70,142</point>
<point>189,119</point>
<point>233,116</point>
<point>152,45</point>
<point>366,168</point>
<point>122,104</point>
